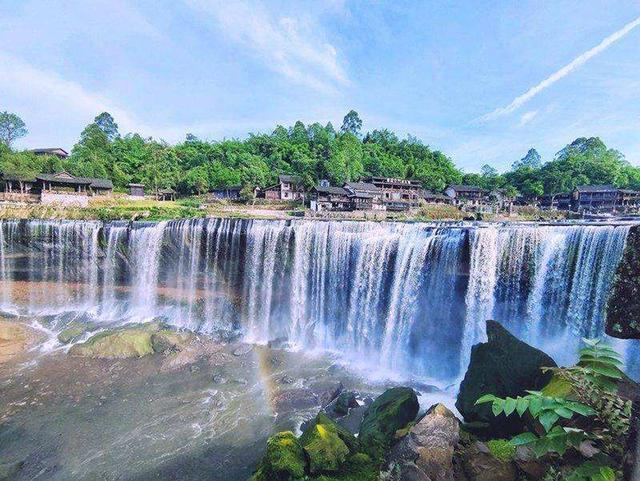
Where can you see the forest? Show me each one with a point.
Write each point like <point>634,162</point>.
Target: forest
<point>313,152</point>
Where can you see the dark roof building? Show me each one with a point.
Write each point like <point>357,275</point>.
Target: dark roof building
<point>57,151</point>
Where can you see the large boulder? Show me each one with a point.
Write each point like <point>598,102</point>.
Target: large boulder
<point>623,309</point>
<point>134,341</point>
<point>480,464</point>
<point>426,452</point>
<point>327,444</point>
<point>503,366</point>
<point>284,459</point>
<point>391,411</point>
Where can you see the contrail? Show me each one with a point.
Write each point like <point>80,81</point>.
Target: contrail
<point>563,72</point>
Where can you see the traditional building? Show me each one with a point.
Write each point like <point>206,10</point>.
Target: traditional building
<point>289,187</point>
<point>467,195</point>
<point>18,184</point>
<point>136,190</point>
<point>226,193</point>
<point>628,199</point>
<point>57,151</point>
<point>397,194</point>
<point>555,202</point>
<point>325,197</point>
<point>602,198</point>
<point>166,194</point>
<point>435,198</point>
<point>364,196</point>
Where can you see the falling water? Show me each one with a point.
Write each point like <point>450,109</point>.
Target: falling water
<point>411,298</point>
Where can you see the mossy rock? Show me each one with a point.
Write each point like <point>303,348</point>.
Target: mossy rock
<point>284,459</point>
<point>74,331</point>
<point>623,308</point>
<point>502,450</point>
<point>327,444</point>
<point>359,467</point>
<point>345,400</point>
<point>118,344</point>
<point>167,340</point>
<point>558,387</point>
<point>390,412</point>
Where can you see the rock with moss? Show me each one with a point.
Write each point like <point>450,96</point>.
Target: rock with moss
<point>502,450</point>
<point>345,401</point>
<point>327,444</point>
<point>481,464</point>
<point>427,451</point>
<point>623,309</point>
<point>284,459</point>
<point>503,366</point>
<point>391,411</point>
<point>358,467</point>
<point>167,341</point>
<point>74,331</point>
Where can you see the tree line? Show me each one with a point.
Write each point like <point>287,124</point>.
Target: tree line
<point>313,152</point>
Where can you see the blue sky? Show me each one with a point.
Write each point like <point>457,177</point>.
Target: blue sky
<point>454,74</point>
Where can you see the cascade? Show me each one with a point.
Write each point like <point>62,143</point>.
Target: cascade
<point>405,297</point>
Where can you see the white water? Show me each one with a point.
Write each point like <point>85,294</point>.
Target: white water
<point>408,298</point>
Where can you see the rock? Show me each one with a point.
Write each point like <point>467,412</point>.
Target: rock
<point>346,400</point>
<point>219,379</point>
<point>534,468</point>
<point>166,341</point>
<point>480,465</point>
<point>503,366</point>
<point>327,444</point>
<point>287,380</point>
<point>392,410</point>
<point>429,445</point>
<point>293,399</point>
<point>284,459</point>
<point>74,331</point>
<point>328,393</point>
<point>623,309</point>
<point>242,350</point>
<point>9,471</point>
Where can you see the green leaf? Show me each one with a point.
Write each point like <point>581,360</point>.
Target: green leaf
<point>581,409</point>
<point>607,474</point>
<point>524,438</point>
<point>522,405</point>
<point>611,372</point>
<point>486,398</point>
<point>548,419</point>
<point>535,405</point>
<point>540,447</point>
<point>563,412</point>
<point>497,407</point>
<point>509,406</point>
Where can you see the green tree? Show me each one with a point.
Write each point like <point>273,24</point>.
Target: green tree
<point>12,128</point>
<point>105,122</point>
<point>352,123</point>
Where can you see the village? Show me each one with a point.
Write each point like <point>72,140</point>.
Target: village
<point>372,194</point>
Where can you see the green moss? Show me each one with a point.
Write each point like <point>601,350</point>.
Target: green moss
<point>358,467</point>
<point>391,411</point>
<point>502,450</point>
<point>557,387</point>
<point>73,331</point>
<point>327,444</point>
<point>167,340</point>
<point>284,459</point>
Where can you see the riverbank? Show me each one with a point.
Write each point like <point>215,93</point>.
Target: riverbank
<point>126,209</point>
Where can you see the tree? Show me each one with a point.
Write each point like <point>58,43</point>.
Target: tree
<point>351,123</point>
<point>532,160</point>
<point>105,122</point>
<point>12,127</point>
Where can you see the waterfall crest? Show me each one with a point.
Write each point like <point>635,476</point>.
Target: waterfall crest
<point>408,297</point>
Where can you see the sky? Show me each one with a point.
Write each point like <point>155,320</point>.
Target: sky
<point>481,81</point>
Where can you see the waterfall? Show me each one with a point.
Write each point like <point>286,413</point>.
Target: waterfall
<point>405,297</point>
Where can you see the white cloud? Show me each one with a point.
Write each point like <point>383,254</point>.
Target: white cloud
<point>527,117</point>
<point>563,72</point>
<point>292,47</point>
